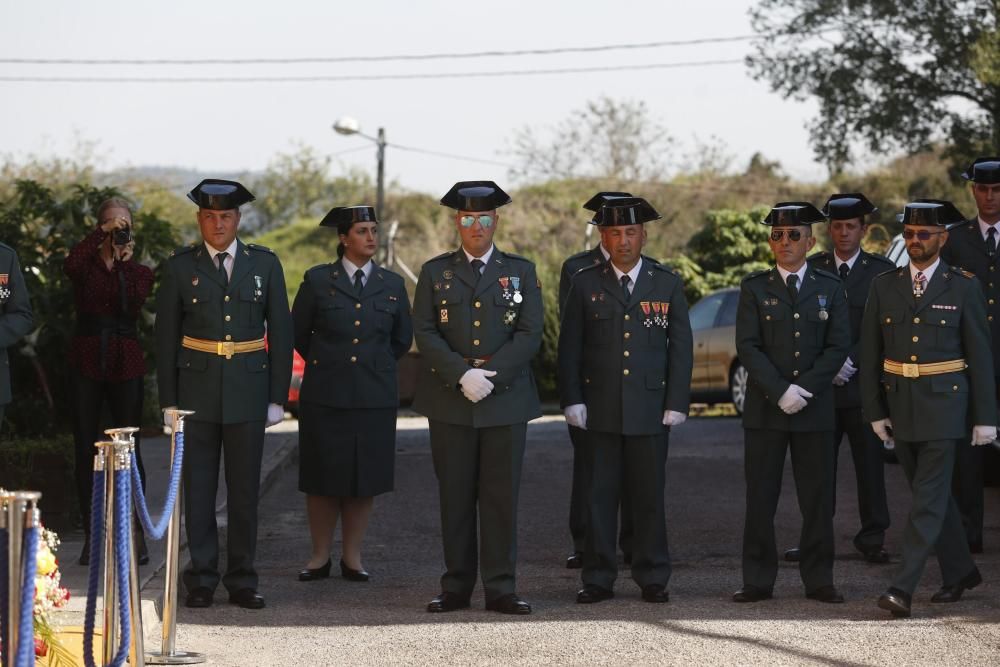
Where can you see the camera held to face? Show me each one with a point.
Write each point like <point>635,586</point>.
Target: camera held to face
<point>121,237</point>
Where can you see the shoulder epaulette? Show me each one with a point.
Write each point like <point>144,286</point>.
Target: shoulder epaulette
<point>254,246</point>
<point>822,254</point>
<point>960,271</point>
<point>589,267</point>
<point>512,255</point>
<point>826,274</point>
<point>663,267</point>
<point>881,259</point>
<point>755,274</point>
<point>183,250</point>
<point>4,246</point>
<point>897,271</point>
<point>449,253</point>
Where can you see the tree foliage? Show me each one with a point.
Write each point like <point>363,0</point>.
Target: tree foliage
<point>892,76</point>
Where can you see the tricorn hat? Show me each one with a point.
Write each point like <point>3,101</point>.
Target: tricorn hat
<point>220,195</point>
<point>847,206</point>
<point>931,213</point>
<point>348,215</point>
<point>983,170</point>
<point>620,211</point>
<point>475,196</point>
<point>601,198</point>
<point>792,213</point>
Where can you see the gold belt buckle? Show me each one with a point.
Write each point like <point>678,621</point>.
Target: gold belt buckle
<point>911,370</point>
<point>227,348</point>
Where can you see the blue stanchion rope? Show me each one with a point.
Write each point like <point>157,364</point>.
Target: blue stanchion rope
<point>157,531</point>
<point>123,557</point>
<point>94,575</point>
<point>26,630</point>
<point>3,594</point>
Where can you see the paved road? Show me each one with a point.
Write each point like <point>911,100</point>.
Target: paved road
<point>339,622</point>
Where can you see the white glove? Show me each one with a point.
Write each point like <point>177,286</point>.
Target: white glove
<point>576,415</point>
<point>983,435</point>
<point>168,421</point>
<point>474,384</point>
<point>882,428</point>
<point>275,415</point>
<point>845,373</point>
<point>794,399</point>
<point>672,418</point>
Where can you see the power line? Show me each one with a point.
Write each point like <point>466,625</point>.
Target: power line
<point>368,77</point>
<point>451,156</point>
<point>388,58</point>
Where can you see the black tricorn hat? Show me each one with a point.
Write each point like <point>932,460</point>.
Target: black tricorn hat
<point>848,205</point>
<point>348,215</point>
<point>220,195</point>
<point>931,213</point>
<point>601,198</point>
<point>475,196</point>
<point>792,213</point>
<point>620,211</point>
<point>983,170</point>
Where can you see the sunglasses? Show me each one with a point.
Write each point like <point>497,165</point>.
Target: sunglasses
<point>793,234</point>
<point>469,220</point>
<point>923,234</point>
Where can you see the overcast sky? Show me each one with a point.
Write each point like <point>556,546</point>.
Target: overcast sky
<point>240,126</point>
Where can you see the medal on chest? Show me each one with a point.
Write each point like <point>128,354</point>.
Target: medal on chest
<point>823,314</point>
<point>505,287</point>
<point>515,283</point>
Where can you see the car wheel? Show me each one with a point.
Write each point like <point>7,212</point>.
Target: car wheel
<point>738,386</point>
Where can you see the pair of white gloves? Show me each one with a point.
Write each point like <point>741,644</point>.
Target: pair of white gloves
<point>275,415</point>
<point>475,385</point>
<point>981,435</point>
<point>794,399</point>
<point>576,415</point>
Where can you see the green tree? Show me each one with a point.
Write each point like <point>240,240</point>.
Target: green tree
<point>893,76</point>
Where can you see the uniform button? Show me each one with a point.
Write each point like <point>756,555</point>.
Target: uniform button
<point>991,268</point>
<point>627,335</point>
<point>478,304</point>
<point>797,334</point>
<point>226,299</point>
<point>315,361</point>
<point>586,380</point>
<point>353,359</point>
<point>476,323</point>
<point>917,338</point>
<point>797,353</point>
<point>355,341</point>
<point>992,302</point>
<point>263,365</point>
<point>625,353</point>
<point>229,337</point>
<point>475,342</point>
<point>916,320</point>
<point>991,284</point>
<point>357,306</point>
<point>767,317</point>
<point>888,320</point>
<point>954,387</point>
<point>989,317</point>
<point>796,316</point>
<point>434,370</point>
<point>444,302</point>
<point>795,374</point>
<point>913,357</point>
<point>663,383</point>
<point>942,322</point>
<point>194,300</point>
<point>357,323</point>
<point>625,372</point>
<point>627,318</point>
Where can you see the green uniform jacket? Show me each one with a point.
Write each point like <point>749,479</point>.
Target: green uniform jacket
<point>193,302</point>
<point>457,318</point>
<point>948,322</point>
<point>351,342</point>
<point>624,360</point>
<point>574,263</point>
<point>966,248</point>
<point>781,343</point>
<point>859,280</point>
<point>16,319</point>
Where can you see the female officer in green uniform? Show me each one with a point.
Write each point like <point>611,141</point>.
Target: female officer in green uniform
<point>352,323</point>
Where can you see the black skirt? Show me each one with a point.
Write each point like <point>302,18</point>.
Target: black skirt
<point>346,452</point>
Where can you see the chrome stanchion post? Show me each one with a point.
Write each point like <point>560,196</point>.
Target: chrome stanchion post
<point>21,511</point>
<point>109,637</point>
<point>168,655</point>
<point>124,447</point>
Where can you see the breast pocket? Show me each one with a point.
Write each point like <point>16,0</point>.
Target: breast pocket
<point>597,328</point>
<point>507,311</point>
<point>332,316</point>
<point>947,336</point>
<point>817,322</point>
<point>773,325</point>
<point>385,314</point>
<point>251,304</point>
<point>448,309</point>
<point>890,321</point>
<point>195,299</point>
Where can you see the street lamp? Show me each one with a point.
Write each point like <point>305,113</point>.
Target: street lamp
<point>347,125</point>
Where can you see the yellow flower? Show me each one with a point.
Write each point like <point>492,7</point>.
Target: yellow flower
<point>46,561</point>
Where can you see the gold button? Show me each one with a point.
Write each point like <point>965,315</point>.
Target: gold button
<point>888,320</point>
<point>991,268</point>
<point>991,302</point>
<point>194,300</point>
<point>625,353</point>
<point>796,316</point>
<point>625,372</point>
<point>475,342</point>
<point>917,338</point>
<point>797,334</point>
<point>767,317</point>
<point>229,337</point>
<point>357,323</point>
<point>478,304</point>
<point>991,284</point>
<point>476,323</point>
<point>942,322</point>
<point>797,353</point>
<point>627,318</point>
<point>913,357</point>
<point>263,365</point>
<point>627,335</point>
<point>353,359</point>
<point>357,306</point>
<point>916,320</point>
<point>315,361</point>
<point>989,317</point>
<point>586,380</point>
<point>228,318</point>
<point>954,387</point>
<point>795,374</point>
<point>226,299</point>
<point>444,302</point>
<point>355,341</point>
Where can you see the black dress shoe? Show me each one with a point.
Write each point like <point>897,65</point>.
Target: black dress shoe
<point>878,556</point>
<point>352,575</point>
<point>575,561</point>
<point>314,573</point>
<point>447,602</point>
<point>247,598</point>
<point>655,593</point>
<point>793,555</point>
<point>895,601</point>
<point>509,604</point>
<point>591,593</point>
<point>751,594</point>
<point>199,597</point>
<point>954,593</point>
<point>826,594</point>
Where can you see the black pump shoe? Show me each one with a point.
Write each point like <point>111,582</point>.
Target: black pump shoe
<point>352,575</point>
<point>312,574</point>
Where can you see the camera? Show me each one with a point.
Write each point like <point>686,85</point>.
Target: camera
<point>121,236</point>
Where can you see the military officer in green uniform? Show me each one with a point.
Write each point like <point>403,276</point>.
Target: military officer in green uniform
<point>846,214</point>
<point>578,497</point>
<point>972,245</point>
<point>16,319</point>
<point>792,336</point>
<point>477,320</point>
<point>216,301</point>
<point>926,375</point>
<point>625,360</point>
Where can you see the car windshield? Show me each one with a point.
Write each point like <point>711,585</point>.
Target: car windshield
<point>704,312</point>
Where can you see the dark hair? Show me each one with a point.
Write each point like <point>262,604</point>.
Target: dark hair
<point>343,229</point>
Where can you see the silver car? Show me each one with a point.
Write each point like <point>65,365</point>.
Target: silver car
<point>717,376</point>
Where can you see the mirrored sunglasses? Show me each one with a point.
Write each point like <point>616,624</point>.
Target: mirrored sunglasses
<point>469,220</point>
<point>793,234</point>
<point>923,234</point>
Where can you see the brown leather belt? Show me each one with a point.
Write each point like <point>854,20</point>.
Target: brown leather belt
<point>477,362</point>
<point>223,348</point>
<point>916,370</point>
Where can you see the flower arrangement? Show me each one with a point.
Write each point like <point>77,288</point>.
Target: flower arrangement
<point>49,595</point>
